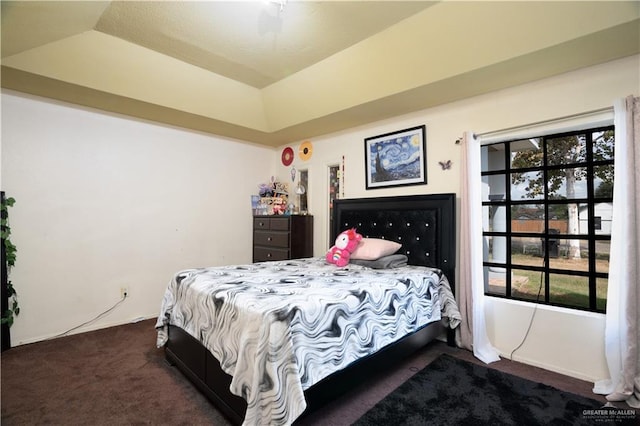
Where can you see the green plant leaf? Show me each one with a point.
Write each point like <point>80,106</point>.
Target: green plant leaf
<point>7,318</point>
<point>9,259</point>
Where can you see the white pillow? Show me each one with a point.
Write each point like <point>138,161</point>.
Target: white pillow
<point>374,248</point>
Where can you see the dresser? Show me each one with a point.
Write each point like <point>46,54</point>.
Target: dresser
<point>282,237</point>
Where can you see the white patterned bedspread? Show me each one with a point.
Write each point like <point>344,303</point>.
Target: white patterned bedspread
<point>279,327</point>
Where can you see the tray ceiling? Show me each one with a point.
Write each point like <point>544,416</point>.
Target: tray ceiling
<point>268,73</point>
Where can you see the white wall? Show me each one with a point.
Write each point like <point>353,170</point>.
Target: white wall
<point>562,340</point>
<point>104,201</point>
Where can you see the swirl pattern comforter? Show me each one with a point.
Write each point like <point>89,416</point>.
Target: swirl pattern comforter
<point>279,327</point>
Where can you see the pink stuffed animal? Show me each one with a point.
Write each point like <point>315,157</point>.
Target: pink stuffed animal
<point>345,244</point>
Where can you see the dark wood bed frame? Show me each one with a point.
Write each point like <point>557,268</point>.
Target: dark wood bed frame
<point>423,224</point>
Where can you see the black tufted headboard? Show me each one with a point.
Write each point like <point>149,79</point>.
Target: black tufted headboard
<point>425,225</point>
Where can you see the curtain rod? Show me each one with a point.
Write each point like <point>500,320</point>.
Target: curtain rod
<point>552,120</point>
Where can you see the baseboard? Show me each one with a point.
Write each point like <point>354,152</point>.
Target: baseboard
<point>549,367</point>
<point>81,330</point>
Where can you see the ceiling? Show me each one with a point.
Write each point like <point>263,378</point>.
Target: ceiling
<point>273,73</point>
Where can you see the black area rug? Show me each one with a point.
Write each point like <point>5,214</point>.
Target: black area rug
<point>450,391</point>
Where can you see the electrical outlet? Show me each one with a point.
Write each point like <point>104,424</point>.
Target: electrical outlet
<point>124,292</point>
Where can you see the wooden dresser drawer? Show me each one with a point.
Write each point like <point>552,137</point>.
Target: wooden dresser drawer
<point>262,254</point>
<point>271,223</point>
<point>279,223</point>
<point>271,239</point>
<point>282,237</point>
<point>261,223</point>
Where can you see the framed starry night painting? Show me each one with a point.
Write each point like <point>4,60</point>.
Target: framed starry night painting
<point>396,159</point>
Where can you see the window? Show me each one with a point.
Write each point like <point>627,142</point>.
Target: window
<point>546,208</point>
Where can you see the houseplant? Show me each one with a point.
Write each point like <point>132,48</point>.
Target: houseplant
<point>10,306</point>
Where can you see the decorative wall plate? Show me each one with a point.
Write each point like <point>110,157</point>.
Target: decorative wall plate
<point>287,156</point>
<point>305,150</point>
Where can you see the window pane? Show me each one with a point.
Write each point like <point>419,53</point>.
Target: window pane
<point>527,186</point>
<point>526,153</point>
<point>495,249</point>
<point>487,243</point>
<point>526,284</point>
<point>492,157</point>
<point>526,251</point>
<point>527,218</point>
<point>493,188</point>
<point>603,248</point>
<point>570,218</point>
<point>527,212</point>
<point>566,150</point>
<point>485,218</point>
<point>497,220</point>
<point>569,290</point>
<point>601,293</point>
<point>567,183</point>
<point>567,248</point>
<point>569,254</point>
<point>602,218</point>
<point>603,181</point>
<point>550,245</point>
<point>583,224</point>
<point>495,281</point>
<point>603,145</point>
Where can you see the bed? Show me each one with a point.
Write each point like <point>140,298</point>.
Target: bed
<point>289,336</point>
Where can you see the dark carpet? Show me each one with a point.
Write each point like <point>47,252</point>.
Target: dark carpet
<point>116,376</point>
<point>450,391</point>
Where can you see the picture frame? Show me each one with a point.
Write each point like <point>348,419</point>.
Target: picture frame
<point>396,159</point>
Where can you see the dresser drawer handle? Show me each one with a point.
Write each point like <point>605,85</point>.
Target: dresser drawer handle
<point>269,238</point>
<point>268,254</point>
<point>261,224</point>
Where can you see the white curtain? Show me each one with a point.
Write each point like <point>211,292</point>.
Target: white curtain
<point>623,296</point>
<point>472,333</point>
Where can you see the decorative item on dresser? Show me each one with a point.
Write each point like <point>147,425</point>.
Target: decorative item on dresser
<point>282,237</point>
